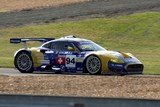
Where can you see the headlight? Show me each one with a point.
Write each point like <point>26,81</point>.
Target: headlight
<point>116,60</point>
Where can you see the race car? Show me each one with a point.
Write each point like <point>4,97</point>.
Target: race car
<point>73,55</point>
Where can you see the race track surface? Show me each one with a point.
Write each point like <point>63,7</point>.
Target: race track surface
<point>15,72</point>
<point>93,8</point>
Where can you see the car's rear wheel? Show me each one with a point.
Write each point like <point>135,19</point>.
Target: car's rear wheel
<point>93,65</point>
<point>23,62</point>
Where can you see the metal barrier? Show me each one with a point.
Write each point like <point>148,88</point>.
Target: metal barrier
<point>57,101</point>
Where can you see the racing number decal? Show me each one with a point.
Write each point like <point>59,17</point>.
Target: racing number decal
<point>70,60</point>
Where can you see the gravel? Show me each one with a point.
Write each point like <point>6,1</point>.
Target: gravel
<point>82,85</point>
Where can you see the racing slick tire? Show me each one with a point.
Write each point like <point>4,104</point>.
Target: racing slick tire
<point>93,65</point>
<point>23,62</point>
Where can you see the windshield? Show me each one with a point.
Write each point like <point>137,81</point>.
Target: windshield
<point>89,46</point>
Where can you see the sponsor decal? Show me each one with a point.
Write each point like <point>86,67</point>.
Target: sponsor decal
<point>71,70</point>
<point>119,65</point>
<point>116,65</point>
<point>60,60</point>
<point>62,67</point>
<point>62,52</point>
<point>79,59</point>
<point>80,55</point>
<point>79,69</point>
<point>129,60</point>
<point>45,62</point>
<point>61,56</point>
<point>48,52</point>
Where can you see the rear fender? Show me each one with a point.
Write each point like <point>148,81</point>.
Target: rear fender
<point>35,55</point>
<point>22,50</point>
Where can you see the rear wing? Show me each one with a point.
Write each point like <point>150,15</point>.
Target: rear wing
<point>25,40</point>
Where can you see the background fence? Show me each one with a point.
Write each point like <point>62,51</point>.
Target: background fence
<point>57,101</point>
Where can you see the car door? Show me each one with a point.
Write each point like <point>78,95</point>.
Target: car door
<point>66,57</point>
<point>63,55</point>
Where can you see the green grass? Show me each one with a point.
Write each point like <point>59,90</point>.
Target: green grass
<point>137,33</point>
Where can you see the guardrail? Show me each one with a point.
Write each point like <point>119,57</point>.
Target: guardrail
<point>58,101</point>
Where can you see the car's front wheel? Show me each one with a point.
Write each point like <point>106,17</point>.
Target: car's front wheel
<point>23,62</point>
<point>93,65</point>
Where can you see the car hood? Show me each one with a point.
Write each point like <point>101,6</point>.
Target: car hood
<point>116,56</point>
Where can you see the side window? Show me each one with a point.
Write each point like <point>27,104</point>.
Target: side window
<point>55,46</point>
<point>48,45</point>
<point>70,47</point>
<point>62,46</point>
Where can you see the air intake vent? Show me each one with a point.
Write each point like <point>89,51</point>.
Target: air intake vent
<point>134,68</point>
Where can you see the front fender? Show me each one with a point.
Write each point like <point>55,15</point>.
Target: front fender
<point>103,58</point>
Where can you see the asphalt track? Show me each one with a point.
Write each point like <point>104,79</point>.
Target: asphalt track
<point>9,71</point>
<point>15,72</point>
<point>93,8</point>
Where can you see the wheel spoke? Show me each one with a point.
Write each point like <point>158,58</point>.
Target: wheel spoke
<point>24,62</point>
<point>93,65</point>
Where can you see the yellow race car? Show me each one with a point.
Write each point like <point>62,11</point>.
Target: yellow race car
<point>73,55</point>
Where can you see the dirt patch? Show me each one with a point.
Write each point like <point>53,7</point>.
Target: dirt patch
<point>82,85</point>
<point>95,8</point>
<point>12,5</point>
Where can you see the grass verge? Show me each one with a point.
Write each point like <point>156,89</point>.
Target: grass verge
<point>137,33</point>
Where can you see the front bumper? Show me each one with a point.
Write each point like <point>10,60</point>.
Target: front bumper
<point>125,68</point>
